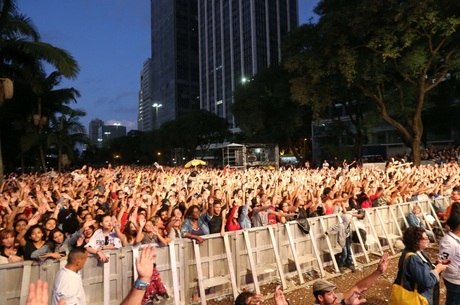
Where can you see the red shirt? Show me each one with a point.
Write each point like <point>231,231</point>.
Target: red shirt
<point>232,223</point>
<point>271,217</point>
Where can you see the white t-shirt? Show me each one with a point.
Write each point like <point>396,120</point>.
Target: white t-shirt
<point>100,239</point>
<point>68,286</point>
<point>449,247</point>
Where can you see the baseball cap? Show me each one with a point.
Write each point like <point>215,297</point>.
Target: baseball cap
<point>323,285</point>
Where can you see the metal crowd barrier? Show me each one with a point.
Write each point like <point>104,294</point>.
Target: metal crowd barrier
<point>225,265</point>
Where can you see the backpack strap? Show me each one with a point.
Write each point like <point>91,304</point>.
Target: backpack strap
<point>401,266</point>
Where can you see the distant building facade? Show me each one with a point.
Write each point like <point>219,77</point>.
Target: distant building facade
<point>238,39</point>
<point>145,118</point>
<point>175,88</point>
<point>93,130</point>
<point>110,132</point>
<point>100,134</point>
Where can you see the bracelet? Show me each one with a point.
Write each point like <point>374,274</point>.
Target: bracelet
<point>140,285</point>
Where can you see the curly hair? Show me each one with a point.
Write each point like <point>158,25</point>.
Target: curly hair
<point>189,212</point>
<point>411,237</point>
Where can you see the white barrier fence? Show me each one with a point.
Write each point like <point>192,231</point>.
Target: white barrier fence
<point>224,265</point>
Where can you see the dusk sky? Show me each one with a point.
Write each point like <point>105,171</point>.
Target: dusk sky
<point>110,39</point>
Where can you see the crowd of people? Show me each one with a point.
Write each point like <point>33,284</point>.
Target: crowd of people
<point>44,216</point>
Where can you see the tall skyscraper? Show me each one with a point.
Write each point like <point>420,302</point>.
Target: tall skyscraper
<point>93,130</point>
<point>145,118</point>
<point>174,58</point>
<point>238,38</point>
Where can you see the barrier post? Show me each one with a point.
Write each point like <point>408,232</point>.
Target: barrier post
<point>26,271</point>
<point>294,252</point>
<point>175,279</point>
<point>251,261</point>
<point>231,267</point>
<point>106,282</point>
<point>199,271</point>
<point>436,218</point>
<point>315,246</point>
<point>360,240</point>
<point>386,235</point>
<point>277,257</point>
<point>332,251</point>
<point>395,220</point>
<point>369,215</point>
<point>403,215</point>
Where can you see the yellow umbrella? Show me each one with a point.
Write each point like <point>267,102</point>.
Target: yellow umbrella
<point>194,163</point>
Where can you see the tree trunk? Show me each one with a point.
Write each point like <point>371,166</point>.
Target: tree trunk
<point>358,145</point>
<point>42,157</point>
<point>59,159</point>
<point>416,155</point>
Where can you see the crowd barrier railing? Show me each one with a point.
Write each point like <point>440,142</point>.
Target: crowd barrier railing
<point>226,264</point>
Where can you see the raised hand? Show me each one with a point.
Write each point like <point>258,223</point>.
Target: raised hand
<point>145,261</point>
<point>279,297</point>
<point>38,294</point>
<point>383,263</point>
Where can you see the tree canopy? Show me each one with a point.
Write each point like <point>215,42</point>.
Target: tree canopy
<point>24,58</point>
<point>197,128</point>
<point>266,112</point>
<point>395,54</point>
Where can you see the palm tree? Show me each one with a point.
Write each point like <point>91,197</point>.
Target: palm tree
<point>66,131</point>
<point>22,55</point>
<point>49,101</point>
<point>20,45</point>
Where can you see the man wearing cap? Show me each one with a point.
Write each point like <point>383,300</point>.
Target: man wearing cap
<point>325,295</point>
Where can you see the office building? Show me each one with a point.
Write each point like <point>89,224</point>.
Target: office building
<point>175,88</point>
<point>110,132</point>
<point>238,39</point>
<point>93,130</point>
<point>145,118</point>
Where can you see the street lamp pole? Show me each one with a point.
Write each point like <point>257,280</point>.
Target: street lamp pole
<point>156,106</point>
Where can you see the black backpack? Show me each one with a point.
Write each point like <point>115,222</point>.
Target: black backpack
<point>302,221</point>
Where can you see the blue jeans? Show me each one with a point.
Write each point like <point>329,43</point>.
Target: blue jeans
<point>345,257</point>
<point>453,293</point>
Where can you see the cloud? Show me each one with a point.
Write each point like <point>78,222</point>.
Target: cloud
<point>128,124</point>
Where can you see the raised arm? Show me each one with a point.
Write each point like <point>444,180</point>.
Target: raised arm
<point>368,281</point>
<point>144,266</point>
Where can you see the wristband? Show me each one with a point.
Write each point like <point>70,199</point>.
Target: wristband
<point>140,285</point>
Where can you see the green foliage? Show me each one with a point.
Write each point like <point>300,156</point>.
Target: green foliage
<point>140,148</point>
<point>266,112</point>
<point>65,132</point>
<point>22,59</point>
<point>197,128</point>
<point>395,54</point>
